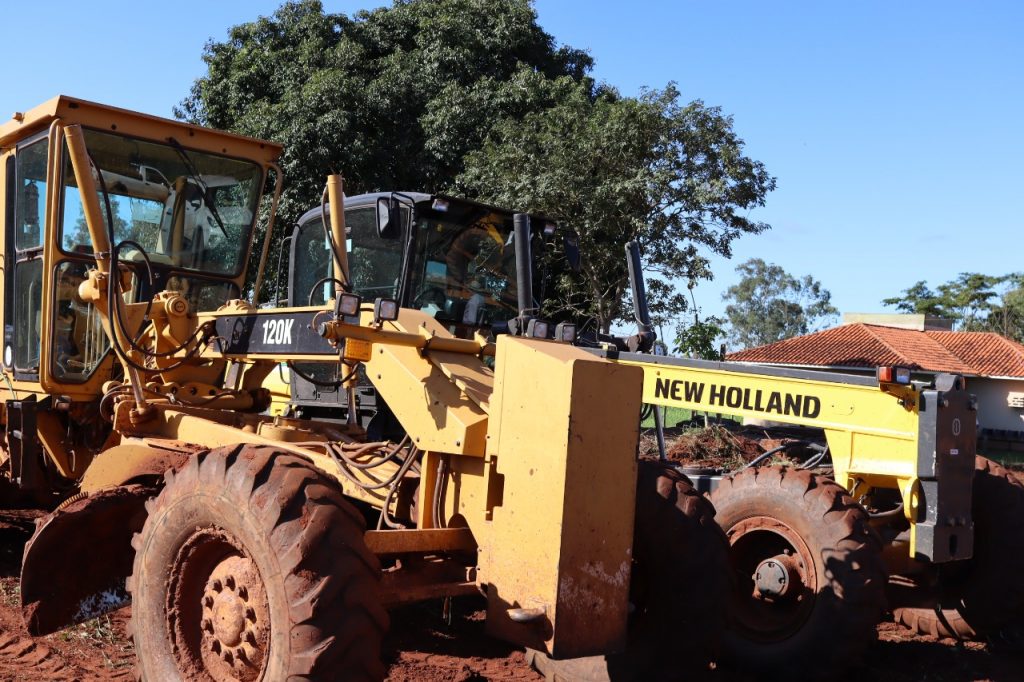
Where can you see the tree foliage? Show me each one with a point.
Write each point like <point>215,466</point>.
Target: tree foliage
<point>698,340</point>
<point>393,98</point>
<point>669,175</point>
<point>768,305</point>
<point>973,301</point>
<point>473,97</point>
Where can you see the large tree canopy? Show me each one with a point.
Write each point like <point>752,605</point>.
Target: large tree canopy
<point>474,97</point>
<point>671,176</point>
<point>392,98</point>
<point>768,305</point>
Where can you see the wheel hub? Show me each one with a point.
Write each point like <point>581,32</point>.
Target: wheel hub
<point>235,617</point>
<point>229,629</point>
<point>776,572</point>
<point>777,577</point>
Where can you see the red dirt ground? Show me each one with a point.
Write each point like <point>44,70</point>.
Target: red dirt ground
<point>421,646</point>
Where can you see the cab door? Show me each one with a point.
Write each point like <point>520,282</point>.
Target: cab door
<point>26,193</point>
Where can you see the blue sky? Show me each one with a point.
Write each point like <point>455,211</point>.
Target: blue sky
<point>894,129</point>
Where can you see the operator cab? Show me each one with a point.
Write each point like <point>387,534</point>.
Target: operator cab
<point>451,258</point>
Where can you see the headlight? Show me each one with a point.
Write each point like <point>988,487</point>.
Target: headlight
<point>537,329</point>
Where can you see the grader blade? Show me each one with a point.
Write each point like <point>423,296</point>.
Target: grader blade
<point>77,561</point>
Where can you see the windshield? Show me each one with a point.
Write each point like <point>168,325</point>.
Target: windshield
<point>464,268</point>
<point>187,209</point>
<point>375,263</point>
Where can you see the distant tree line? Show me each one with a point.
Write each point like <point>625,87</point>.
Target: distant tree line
<point>973,301</point>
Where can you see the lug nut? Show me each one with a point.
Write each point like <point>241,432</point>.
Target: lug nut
<point>215,646</point>
<point>250,637</point>
<point>242,592</point>
<point>250,613</point>
<point>217,586</point>
<point>230,581</point>
<point>207,624</point>
<point>208,601</point>
<point>228,658</point>
<point>240,654</point>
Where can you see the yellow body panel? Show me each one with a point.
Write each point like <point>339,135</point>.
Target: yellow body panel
<point>879,436</point>
<point>561,540</point>
<point>425,394</point>
<point>868,431</point>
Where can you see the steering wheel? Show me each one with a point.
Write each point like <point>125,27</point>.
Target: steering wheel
<point>435,295</point>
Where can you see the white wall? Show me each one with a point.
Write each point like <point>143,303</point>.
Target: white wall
<point>993,412</point>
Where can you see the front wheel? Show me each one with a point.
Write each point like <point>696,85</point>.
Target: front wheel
<point>252,566</point>
<point>808,568</point>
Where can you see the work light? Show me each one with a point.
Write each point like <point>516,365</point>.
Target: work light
<point>348,304</point>
<point>385,310</point>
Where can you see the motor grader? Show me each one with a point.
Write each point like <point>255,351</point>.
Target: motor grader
<point>888,508</point>
<point>135,409</point>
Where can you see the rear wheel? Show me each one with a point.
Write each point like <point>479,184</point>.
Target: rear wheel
<point>978,597</point>
<point>808,569</point>
<point>680,588</point>
<point>252,566</point>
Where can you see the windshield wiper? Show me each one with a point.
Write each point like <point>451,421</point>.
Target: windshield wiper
<point>187,160</point>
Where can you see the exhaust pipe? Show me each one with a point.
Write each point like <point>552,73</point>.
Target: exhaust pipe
<point>524,264</point>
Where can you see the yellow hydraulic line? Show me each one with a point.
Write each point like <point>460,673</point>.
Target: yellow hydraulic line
<point>335,330</point>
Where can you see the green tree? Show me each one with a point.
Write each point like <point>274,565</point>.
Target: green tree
<point>393,98</point>
<point>699,339</point>
<point>973,301</point>
<point>1007,316</point>
<point>918,299</point>
<point>669,175</point>
<point>768,305</point>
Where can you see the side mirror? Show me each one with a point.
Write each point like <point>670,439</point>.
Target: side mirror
<point>389,218</point>
<point>572,249</point>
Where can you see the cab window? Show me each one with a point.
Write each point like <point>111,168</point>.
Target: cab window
<point>375,263</point>
<point>26,285</point>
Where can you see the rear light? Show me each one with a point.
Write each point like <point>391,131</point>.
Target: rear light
<point>894,375</point>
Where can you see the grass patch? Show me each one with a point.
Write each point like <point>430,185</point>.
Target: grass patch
<point>675,415</point>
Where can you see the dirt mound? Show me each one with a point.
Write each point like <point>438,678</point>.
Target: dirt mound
<point>713,447</point>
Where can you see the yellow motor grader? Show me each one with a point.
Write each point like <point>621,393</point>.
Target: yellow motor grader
<point>880,502</point>
<point>135,408</point>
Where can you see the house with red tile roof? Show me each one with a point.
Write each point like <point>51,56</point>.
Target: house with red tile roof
<point>993,364</point>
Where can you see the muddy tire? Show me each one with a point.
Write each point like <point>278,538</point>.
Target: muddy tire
<point>680,589</point>
<point>252,566</point>
<point>809,573</point>
<point>985,594</point>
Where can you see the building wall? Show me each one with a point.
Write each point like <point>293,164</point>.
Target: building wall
<point>993,412</point>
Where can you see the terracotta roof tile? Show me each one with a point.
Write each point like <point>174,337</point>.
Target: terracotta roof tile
<point>986,353</point>
<point>864,345</point>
